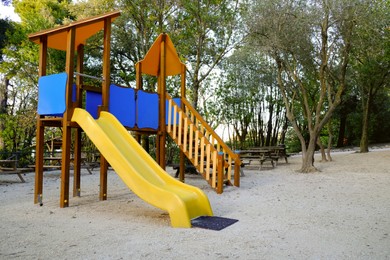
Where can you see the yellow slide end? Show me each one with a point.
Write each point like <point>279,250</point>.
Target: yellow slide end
<point>140,172</point>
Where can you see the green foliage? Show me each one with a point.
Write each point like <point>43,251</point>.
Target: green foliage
<point>239,91</point>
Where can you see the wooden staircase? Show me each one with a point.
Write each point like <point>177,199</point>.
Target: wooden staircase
<point>217,163</point>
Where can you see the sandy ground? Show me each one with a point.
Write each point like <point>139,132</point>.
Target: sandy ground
<point>342,212</point>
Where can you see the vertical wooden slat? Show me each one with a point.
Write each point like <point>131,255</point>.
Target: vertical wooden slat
<point>179,130</point>
<point>185,133</point>
<point>191,141</point>
<point>229,171</point>
<point>169,116</point>
<point>196,150</point>
<point>174,122</point>
<point>215,164</point>
<point>207,146</point>
<point>201,159</point>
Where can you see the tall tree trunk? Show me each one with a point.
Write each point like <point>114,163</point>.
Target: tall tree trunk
<point>3,105</point>
<point>366,114</point>
<point>269,126</point>
<point>284,130</point>
<point>195,93</point>
<point>342,127</point>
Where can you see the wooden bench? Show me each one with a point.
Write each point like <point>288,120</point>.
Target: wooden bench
<point>261,156</point>
<point>10,167</point>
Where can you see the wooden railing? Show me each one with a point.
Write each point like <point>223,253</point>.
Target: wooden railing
<point>217,163</point>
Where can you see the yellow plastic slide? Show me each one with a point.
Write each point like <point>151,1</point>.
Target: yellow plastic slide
<point>140,172</point>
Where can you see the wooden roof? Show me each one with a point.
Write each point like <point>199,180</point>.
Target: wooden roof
<point>151,62</point>
<point>57,37</point>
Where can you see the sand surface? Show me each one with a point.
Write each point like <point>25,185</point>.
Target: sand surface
<point>342,212</point>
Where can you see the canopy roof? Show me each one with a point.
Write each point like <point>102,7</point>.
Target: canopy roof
<point>151,62</point>
<point>56,37</point>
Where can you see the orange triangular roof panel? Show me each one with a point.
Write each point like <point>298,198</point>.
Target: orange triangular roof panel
<point>151,62</point>
<point>56,37</point>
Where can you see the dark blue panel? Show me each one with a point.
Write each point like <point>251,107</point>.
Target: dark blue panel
<point>92,102</point>
<point>147,105</point>
<point>74,93</point>
<point>178,102</point>
<point>51,94</point>
<point>122,105</point>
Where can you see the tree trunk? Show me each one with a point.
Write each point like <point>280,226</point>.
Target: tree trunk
<point>330,139</point>
<point>341,137</point>
<point>322,149</point>
<point>366,113</point>
<point>269,125</point>
<point>308,156</point>
<point>3,105</point>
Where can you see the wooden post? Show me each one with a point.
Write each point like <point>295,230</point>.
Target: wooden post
<point>66,129</point>
<point>105,101</point>
<point>183,95</point>
<point>40,129</point>
<point>77,144</point>
<point>237,170</point>
<point>162,109</point>
<point>139,85</point>
<point>220,173</point>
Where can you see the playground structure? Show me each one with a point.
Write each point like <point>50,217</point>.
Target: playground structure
<point>113,110</point>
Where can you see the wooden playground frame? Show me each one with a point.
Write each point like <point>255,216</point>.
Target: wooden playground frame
<point>160,61</point>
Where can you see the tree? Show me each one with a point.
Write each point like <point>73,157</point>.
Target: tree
<point>5,28</point>
<point>371,60</point>
<point>205,32</point>
<point>310,43</point>
<point>250,99</point>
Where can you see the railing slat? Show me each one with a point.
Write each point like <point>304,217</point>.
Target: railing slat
<point>191,133</point>
<point>215,163</point>
<point>185,134</point>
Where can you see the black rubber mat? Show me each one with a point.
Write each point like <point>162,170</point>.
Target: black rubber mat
<point>212,222</point>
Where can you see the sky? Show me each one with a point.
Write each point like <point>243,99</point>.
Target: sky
<point>8,12</point>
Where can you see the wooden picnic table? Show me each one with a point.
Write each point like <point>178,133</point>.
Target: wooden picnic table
<point>55,162</point>
<point>263,154</point>
<point>9,166</point>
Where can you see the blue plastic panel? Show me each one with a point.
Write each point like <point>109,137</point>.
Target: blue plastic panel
<point>92,102</point>
<point>147,106</point>
<point>51,94</point>
<point>74,93</point>
<point>122,105</point>
<point>178,102</point>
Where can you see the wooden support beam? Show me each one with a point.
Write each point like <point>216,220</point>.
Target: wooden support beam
<point>105,101</point>
<point>66,129</point>
<point>220,173</point>
<point>162,109</point>
<point>77,142</point>
<point>237,167</point>
<point>40,128</point>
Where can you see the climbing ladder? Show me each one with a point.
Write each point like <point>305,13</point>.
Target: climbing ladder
<point>216,162</point>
